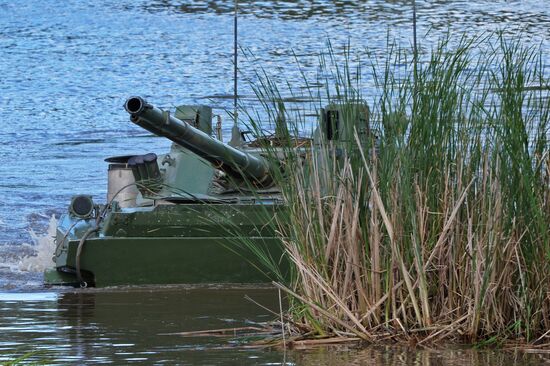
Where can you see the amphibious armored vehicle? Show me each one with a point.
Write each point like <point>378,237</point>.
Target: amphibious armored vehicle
<point>196,214</point>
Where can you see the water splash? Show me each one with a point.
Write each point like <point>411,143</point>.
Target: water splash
<point>41,250</point>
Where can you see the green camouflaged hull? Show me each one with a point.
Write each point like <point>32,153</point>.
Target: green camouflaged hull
<point>204,212</point>
<point>169,244</point>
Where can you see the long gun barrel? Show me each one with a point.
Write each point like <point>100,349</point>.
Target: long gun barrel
<point>232,161</point>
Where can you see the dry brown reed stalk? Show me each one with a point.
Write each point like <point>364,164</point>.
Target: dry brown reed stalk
<point>439,229</point>
<point>463,285</point>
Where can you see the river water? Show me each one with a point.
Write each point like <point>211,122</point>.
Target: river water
<point>140,326</point>
<point>66,69</point>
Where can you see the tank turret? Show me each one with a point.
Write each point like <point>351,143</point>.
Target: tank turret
<point>234,162</point>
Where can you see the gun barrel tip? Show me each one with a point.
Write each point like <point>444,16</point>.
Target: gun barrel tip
<point>134,105</point>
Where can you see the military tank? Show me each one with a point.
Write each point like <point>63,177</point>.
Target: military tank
<point>196,214</point>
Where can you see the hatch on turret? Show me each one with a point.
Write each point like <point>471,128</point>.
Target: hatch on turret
<point>198,116</point>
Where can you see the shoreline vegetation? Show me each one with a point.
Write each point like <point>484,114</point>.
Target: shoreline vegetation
<point>436,228</point>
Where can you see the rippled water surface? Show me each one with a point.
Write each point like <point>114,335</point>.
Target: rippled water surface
<point>66,69</point>
<point>137,327</point>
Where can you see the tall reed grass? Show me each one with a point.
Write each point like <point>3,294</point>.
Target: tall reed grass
<point>437,226</point>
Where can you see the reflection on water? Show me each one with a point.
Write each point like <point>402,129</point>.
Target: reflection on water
<point>269,9</point>
<point>530,16</point>
<point>399,356</point>
<point>130,325</point>
<point>125,325</point>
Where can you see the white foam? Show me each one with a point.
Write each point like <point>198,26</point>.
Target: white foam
<point>42,249</point>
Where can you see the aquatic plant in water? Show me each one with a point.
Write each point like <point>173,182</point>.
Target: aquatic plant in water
<point>437,227</point>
